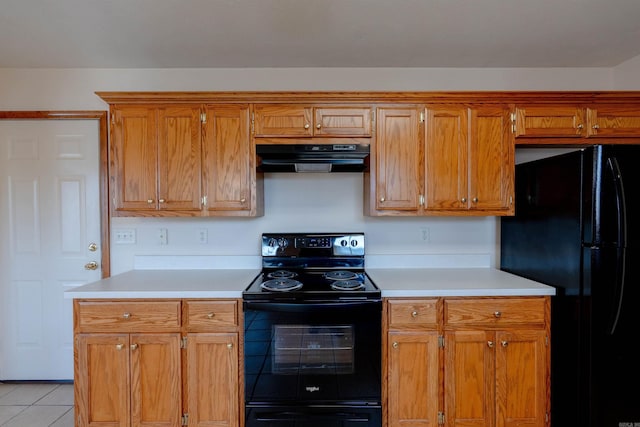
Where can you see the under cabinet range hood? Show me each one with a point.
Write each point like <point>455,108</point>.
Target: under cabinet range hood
<point>312,157</point>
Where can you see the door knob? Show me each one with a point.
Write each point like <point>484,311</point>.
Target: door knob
<point>91,265</point>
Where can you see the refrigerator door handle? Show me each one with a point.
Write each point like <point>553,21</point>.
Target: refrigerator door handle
<point>621,209</point>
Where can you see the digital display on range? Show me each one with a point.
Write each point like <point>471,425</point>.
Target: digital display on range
<point>313,242</point>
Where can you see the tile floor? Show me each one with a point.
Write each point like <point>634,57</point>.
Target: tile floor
<point>36,405</point>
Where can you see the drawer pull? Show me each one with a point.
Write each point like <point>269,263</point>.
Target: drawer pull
<point>230,346</point>
<point>504,343</point>
<point>134,346</point>
<point>490,344</point>
<point>211,315</point>
<point>394,345</point>
<point>497,314</point>
<point>414,314</point>
<point>126,315</point>
<point>119,346</point>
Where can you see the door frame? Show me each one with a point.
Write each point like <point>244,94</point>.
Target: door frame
<point>103,179</point>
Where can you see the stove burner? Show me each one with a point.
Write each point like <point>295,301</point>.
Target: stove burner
<point>281,285</point>
<point>340,275</point>
<point>347,285</point>
<point>282,274</point>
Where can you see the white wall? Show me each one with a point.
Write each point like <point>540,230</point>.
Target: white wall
<point>316,202</point>
<point>626,76</point>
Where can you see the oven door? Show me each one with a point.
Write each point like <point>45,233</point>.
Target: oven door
<point>312,354</point>
<point>313,417</point>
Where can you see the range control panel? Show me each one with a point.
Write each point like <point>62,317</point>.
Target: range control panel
<point>313,245</point>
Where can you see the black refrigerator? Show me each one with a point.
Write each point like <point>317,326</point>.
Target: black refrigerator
<point>577,228</point>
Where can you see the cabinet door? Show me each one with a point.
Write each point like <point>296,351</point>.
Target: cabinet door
<point>229,169</point>
<point>282,121</point>
<point>413,383</point>
<point>179,159</point>
<point>212,379</point>
<point>469,378</point>
<point>398,160</point>
<point>521,378</point>
<point>156,395</point>
<point>614,121</point>
<point>134,160</point>
<point>342,122</point>
<point>550,121</point>
<point>491,160</point>
<point>102,380</point>
<point>446,148</point>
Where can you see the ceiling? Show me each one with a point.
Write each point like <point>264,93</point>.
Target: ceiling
<point>317,33</point>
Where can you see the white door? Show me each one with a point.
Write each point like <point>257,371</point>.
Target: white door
<point>49,219</point>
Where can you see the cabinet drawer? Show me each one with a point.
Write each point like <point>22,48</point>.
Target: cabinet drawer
<point>211,314</point>
<point>125,316</point>
<point>494,311</point>
<point>416,313</point>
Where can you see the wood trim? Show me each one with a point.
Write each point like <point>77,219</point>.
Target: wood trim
<point>103,179</point>
<point>551,97</point>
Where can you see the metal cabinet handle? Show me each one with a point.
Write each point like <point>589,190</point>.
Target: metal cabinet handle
<point>504,343</point>
<point>497,314</point>
<point>243,200</point>
<point>134,346</point>
<point>490,344</point>
<point>230,346</point>
<point>463,200</point>
<point>307,126</point>
<point>596,126</point>
<point>119,346</point>
<point>149,201</point>
<point>161,200</point>
<point>382,199</point>
<point>210,315</point>
<point>126,315</point>
<point>474,200</point>
<point>414,314</point>
<point>318,126</point>
<point>580,126</point>
<point>394,345</point>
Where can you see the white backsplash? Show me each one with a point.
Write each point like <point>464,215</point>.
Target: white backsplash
<point>305,203</point>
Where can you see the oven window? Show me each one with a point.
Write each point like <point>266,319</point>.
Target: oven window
<point>317,350</point>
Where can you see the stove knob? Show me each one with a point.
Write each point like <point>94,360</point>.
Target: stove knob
<point>344,243</point>
<point>354,243</point>
<point>273,243</point>
<point>283,243</point>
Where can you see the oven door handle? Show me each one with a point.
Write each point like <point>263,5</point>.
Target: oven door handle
<point>305,307</point>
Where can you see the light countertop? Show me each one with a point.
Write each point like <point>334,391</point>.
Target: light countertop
<point>394,282</point>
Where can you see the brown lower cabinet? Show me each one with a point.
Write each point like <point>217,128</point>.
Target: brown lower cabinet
<point>157,363</point>
<point>467,362</point>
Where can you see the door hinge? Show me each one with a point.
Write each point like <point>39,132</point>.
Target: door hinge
<point>441,418</point>
<point>421,116</point>
<point>513,122</point>
<point>183,342</point>
<point>203,118</point>
<point>253,121</point>
<point>441,341</point>
<point>185,420</point>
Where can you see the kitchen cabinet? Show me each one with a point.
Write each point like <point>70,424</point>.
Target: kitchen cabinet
<point>577,122</point>
<point>126,375</point>
<point>184,160</point>
<point>462,163</point>
<point>277,121</point>
<point>496,365</point>
<point>156,158</point>
<point>157,362</point>
<point>412,355</point>
<point>213,363</point>
<point>462,361</point>
<point>229,176</point>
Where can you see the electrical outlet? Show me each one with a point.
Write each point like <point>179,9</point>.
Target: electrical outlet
<point>203,236</point>
<point>124,236</point>
<point>425,235</point>
<point>162,236</point>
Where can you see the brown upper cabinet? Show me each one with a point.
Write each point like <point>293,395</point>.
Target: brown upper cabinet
<point>183,160</point>
<point>282,121</point>
<point>442,160</point>
<point>566,121</point>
